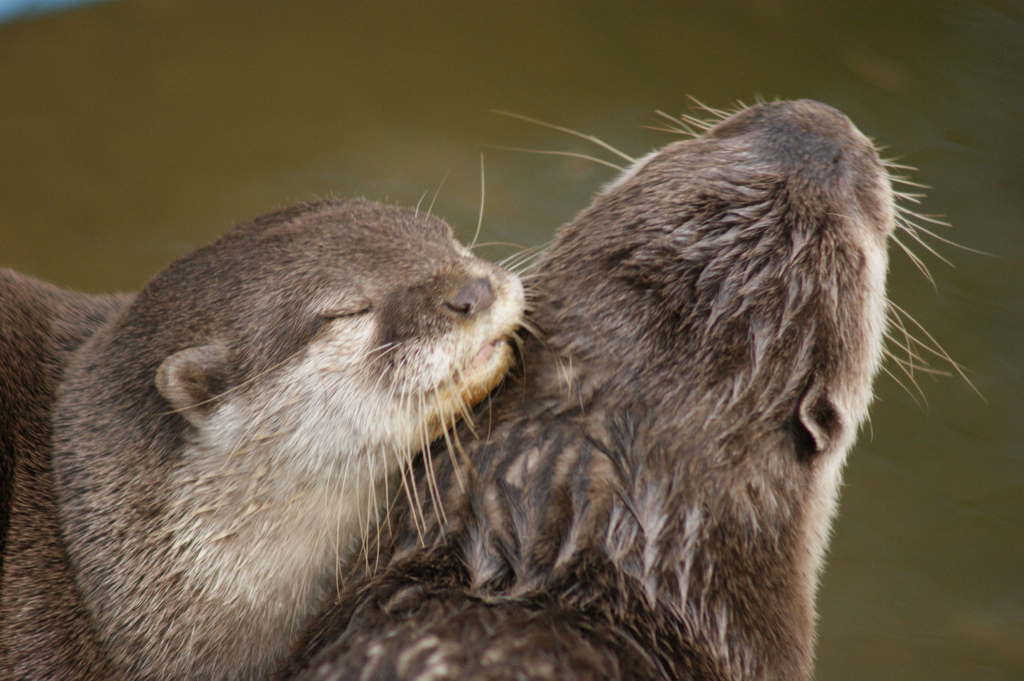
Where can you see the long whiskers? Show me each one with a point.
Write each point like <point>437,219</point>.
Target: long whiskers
<point>428,464</point>
<point>932,346</point>
<point>918,263</point>
<point>480,219</point>
<point>437,191</point>
<point>908,222</point>
<point>406,476</point>
<point>464,411</point>
<point>905,219</point>
<point>590,138</point>
<point>555,152</point>
<point>694,126</point>
<point>902,385</point>
<point>520,262</point>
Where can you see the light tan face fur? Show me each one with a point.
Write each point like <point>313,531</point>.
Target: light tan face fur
<point>312,455</point>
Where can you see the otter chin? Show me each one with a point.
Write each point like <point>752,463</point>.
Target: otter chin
<point>469,386</point>
<point>221,441</point>
<point>651,490</point>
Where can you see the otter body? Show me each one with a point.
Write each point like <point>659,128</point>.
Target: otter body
<point>40,326</point>
<point>221,442</point>
<point>653,495</point>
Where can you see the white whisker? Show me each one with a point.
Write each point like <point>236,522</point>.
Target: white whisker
<point>937,349</point>
<point>480,219</point>
<point>430,208</point>
<point>551,152</point>
<point>916,260</point>
<point>589,138</point>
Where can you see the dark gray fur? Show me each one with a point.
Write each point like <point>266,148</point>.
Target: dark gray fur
<point>645,499</point>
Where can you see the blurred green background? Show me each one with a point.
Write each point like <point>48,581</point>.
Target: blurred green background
<point>133,131</point>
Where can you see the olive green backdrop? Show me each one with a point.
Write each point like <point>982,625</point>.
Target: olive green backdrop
<point>133,131</point>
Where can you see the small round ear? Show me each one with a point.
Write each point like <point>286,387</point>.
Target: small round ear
<point>191,379</point>
<point>818,417</point>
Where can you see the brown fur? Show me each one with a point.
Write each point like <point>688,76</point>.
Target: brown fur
<point>651,496</point>
<point>209,428</point>
<point>40,327</point>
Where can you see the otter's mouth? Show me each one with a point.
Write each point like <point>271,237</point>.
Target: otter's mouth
<point>470,385</point>
<point>484,372</point>
<point>480,361</point>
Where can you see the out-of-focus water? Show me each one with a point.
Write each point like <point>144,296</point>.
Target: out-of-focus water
<point>133,131</point>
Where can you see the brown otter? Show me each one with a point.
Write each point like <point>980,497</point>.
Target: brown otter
<point>221,442</point>
<point>652,496</point>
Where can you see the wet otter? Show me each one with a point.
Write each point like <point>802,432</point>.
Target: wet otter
<point>652,497</point>
<point>220,444</point>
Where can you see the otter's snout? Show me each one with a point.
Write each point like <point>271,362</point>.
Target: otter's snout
<point>808,138</point>
<point>822,156</point>
<point>472,299</point>
<point>815,140</point>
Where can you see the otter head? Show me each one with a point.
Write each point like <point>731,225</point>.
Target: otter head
<point>723,306</point>
<point>223,443</point>
<point>341,326</point>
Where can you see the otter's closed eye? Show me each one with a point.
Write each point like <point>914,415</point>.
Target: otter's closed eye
<point>343,313</point>
<point>345,306</point>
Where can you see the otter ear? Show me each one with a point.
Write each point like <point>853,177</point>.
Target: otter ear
<point>818,418</point>
<point>192,378</point>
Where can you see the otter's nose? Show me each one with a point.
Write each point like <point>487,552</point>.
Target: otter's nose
<point>472,299</point>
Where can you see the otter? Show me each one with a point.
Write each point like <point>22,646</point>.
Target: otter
<point>652,495</point>
<point>221,441</point>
